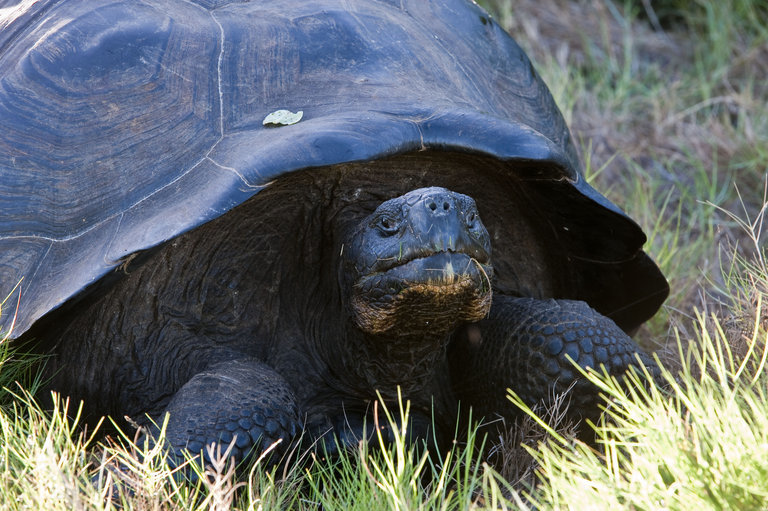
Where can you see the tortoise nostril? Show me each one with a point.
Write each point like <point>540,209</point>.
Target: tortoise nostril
<point>439,203</point>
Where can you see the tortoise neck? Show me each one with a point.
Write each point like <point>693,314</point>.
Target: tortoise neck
<point>387,362</point>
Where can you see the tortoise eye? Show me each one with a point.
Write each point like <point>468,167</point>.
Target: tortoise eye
<point>471,218</point>
<point>388,225</point>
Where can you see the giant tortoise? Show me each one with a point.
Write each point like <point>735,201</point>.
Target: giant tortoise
<point>418,222</point>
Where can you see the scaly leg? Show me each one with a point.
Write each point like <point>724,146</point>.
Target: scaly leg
<point>524,345</point>
<point>241,400</point>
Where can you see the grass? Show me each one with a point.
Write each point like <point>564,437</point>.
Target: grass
<point>702,444</point>
<point>669,108</point>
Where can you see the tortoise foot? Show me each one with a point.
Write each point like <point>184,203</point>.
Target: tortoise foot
<point>242,404</point>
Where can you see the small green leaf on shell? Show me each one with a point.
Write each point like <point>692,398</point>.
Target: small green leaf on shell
<point>283,118</point>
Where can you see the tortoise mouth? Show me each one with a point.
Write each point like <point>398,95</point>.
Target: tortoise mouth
<point>437,292</point>
<point>445,268</point>
<point>440,265</point>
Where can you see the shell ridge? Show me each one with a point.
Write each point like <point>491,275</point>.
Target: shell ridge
<point>218,79</point>
<point>245,181</point>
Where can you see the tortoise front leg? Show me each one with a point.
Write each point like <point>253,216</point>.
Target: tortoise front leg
<point>524,345</point>
<point>243,402</point>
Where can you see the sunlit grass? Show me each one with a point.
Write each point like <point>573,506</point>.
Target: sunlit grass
<point>48,463</point>
<point>701,443</point>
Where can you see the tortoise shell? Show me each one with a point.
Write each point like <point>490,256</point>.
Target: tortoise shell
<point>124,124</point>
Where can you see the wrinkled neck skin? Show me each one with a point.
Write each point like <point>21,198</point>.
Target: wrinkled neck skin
<point>412,362</point>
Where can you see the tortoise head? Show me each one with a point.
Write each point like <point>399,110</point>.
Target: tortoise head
<point>419,263</point>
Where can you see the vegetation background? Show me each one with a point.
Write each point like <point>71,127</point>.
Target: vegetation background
<point>668,103</point>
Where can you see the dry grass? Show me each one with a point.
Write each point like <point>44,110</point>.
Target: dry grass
<point>510,451</point>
